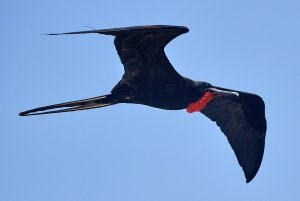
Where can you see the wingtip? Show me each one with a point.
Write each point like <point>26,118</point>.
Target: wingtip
<point>185,29</point>
<point>248,181</point>
<point>250,177</point>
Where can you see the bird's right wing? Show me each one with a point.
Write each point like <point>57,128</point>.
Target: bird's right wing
<point>242,120</point>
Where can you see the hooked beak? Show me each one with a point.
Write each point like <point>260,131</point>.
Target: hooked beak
<point>90,103</point>
<point>224,92</point>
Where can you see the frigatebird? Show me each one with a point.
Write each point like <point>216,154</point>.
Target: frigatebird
<point>150,79</point>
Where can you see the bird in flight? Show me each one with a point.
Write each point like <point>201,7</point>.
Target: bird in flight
<point>150,79</point>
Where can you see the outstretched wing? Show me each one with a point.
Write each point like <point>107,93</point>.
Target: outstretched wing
<point>141,50</point>
<point>242,120</point>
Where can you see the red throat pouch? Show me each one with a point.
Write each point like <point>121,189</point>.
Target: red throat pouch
<point>201,103</point>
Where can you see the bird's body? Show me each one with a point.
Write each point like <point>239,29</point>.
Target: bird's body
<point>150,79</point>
<point>174,96</point>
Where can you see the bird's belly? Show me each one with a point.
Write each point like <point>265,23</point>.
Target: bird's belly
<point>165,101</point>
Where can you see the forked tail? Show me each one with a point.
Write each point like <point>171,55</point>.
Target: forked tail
<point>90,103</point>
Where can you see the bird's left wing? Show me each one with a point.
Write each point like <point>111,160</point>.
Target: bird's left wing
<point>242,120</point>
<point>141,50</point>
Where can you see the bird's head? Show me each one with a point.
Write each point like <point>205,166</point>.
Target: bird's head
<point>200,88</point>
<point>197,91</point>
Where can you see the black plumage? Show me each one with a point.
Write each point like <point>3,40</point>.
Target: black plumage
<point>150,79</point>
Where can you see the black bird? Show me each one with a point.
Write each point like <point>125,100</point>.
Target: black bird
<point>150,79</point>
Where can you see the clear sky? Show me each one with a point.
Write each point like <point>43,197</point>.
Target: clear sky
<point>134,152</point>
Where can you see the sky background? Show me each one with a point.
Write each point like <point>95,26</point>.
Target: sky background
<point>134,152</point>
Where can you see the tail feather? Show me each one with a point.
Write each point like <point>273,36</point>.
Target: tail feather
<point>90,103</point>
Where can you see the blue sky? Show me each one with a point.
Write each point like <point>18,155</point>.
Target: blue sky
<point>134,152</point>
